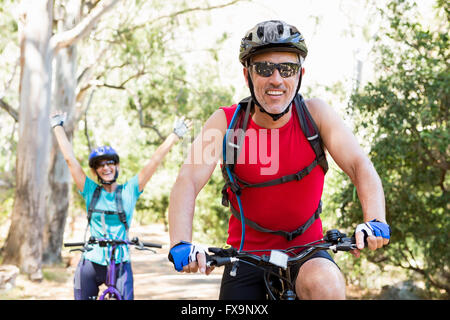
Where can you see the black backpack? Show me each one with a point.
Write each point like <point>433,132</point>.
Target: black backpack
<point>232,148</point>
<point>119,205</point>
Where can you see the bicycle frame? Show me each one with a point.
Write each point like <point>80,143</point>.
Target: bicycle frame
<point>286,292</point>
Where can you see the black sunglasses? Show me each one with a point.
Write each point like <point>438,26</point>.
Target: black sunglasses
<point>266,69</point>
<point>103,163</point>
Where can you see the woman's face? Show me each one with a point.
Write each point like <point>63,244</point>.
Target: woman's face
<point>106,169</point>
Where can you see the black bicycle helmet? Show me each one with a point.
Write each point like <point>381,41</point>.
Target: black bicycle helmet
<point>272,35</point>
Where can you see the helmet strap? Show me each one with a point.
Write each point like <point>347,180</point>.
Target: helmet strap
<point>274,116</point>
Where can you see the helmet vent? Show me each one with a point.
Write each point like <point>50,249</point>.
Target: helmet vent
<point>260,32</point>
<point>280,29</point>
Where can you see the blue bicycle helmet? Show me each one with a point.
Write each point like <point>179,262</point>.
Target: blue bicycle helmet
<point>102,153</point>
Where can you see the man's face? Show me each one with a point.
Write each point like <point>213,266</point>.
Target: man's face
<point>274,92</point>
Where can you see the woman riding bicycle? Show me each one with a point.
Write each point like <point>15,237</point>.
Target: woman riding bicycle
<point>274,166</point>
<point>110,207</point>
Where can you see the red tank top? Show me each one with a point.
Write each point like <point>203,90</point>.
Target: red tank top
<point>270,154</point>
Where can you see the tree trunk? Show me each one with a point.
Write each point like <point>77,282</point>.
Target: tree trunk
<point>70,30</point>
<point>23,245</point>
<point>64,45</point>
<point>63,99</point>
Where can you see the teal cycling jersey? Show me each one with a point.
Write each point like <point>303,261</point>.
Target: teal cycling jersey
<point>109,225</point>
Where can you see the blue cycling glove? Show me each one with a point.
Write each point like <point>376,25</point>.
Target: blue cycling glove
<point>374,228</point>
<point>184,253</point>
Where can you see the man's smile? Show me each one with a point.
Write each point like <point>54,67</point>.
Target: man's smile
<point>272,92</point>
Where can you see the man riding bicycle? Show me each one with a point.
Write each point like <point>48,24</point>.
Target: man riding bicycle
<point>109,206</point>
<point>272,144</point>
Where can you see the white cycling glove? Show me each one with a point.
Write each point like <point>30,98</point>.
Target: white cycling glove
<point>58,119</point>
<point>180,127</point>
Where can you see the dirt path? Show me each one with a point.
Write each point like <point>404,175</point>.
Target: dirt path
<point>154,276</point>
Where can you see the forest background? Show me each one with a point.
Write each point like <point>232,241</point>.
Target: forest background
<point>123,70</point>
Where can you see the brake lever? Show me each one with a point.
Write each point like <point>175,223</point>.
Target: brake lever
<point>142,248</point>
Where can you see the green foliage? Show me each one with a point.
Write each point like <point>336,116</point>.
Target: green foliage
<point>8,26</point>
<point>404,114</point>
<point>148,81</point>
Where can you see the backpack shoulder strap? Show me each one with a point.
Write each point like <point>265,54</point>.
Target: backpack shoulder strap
<point>119,206</point>
<point>311,131</point>
<point>91,208</point>
<point>306,121</point>
<point>94,201</point>
<point>236,131</point>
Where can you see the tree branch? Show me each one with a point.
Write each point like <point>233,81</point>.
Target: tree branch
<point>8,108</point>
<point>69,37</point>
<point>138,104</point>
<point>87,75</point>
<point>86,131</point>
<point>11,78</point>
<point>442,180</point>
<point>188,10</point>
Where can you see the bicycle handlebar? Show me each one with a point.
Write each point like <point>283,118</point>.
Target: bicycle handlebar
<point>334,240</point>
<point>104,242</point>
<point>74,244</point>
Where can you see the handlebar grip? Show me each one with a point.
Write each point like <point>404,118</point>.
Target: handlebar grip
<point>217,261</point>
<point>347,244</point>
<point>74,244</point>
<point>152,245</point>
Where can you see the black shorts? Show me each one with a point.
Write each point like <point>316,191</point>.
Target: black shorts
<point>248,284</point>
